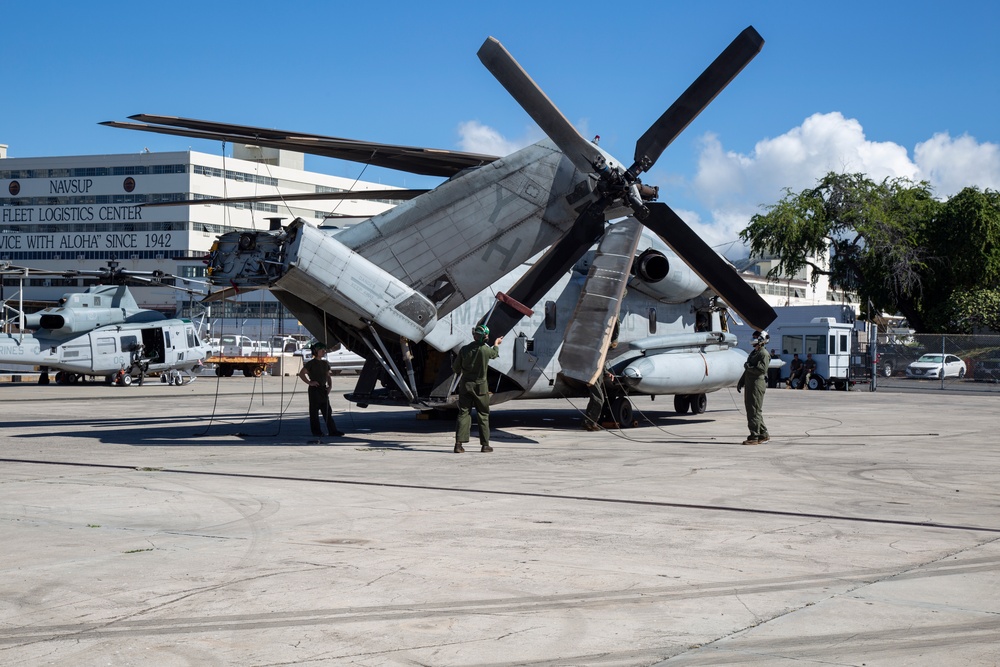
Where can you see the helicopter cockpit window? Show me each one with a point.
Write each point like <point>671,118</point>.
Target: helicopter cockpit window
<point>192,339</point>
<point>129,343</point>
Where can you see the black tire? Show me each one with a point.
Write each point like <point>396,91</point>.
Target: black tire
<point>681,404</point>
<point>621,411</point>
<point>816,382</point>
<point>699,403</point>
<point>961,373</point>
<point>887,368</point>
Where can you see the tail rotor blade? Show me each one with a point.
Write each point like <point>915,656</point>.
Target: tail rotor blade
<point>710,267</point>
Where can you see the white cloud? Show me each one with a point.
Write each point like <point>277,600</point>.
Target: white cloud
<point>796,160</point>
<point>733,186</point>
<point>952,164</point>
<point>474,137</point>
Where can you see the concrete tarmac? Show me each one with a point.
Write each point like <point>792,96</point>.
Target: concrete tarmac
<point>198,525</point>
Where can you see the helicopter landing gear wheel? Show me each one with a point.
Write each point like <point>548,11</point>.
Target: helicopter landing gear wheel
<point>124,380</point>
<point>681,403</point>
<point>621,411</point>
<point>699,403</point>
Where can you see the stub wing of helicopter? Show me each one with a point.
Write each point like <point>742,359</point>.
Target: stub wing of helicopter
<point>401,287</point>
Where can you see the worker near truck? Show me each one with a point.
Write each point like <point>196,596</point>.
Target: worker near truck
<point>795,370</point>
<point>808,368</point>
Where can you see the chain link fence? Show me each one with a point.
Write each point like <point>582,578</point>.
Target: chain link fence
<point>932,362</point>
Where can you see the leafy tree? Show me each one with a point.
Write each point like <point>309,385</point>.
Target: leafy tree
<point>969,311</point>
<point>891,242</point>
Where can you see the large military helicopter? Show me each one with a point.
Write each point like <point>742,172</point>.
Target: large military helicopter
<point>501,235</point>
<point>100,332</point>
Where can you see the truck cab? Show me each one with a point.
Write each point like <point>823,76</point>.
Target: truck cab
<point>829,343</point>
<point>235,345</point>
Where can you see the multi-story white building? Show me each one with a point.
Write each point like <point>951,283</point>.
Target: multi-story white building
<point>797,290</point>
<point>80,212</point>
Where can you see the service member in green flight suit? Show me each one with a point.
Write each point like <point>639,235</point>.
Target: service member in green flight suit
<point>472,363</point>
<point>755,379</point>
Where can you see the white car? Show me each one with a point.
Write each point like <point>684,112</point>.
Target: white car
<point>936,366</point>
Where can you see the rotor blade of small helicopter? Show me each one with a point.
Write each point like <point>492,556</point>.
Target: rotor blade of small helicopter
<point>698,95</point>
<point>717,273</point>
<point>227,293</point>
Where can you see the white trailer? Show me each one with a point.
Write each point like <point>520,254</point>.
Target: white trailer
<point>829,343</point>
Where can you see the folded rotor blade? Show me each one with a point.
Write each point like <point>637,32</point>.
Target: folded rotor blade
<point>523,88</point>
<point>692,101</point>
<point>550,267</point>
<point>588,334</point>
<point>247,131</point>
<point>396,195</point>
<point>710,266</point>
<point>411,159</point>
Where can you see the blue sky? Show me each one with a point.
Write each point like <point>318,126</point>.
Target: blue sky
<point>887,88</point>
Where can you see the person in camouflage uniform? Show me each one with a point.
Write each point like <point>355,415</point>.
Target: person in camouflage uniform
<point>754,378</point>
<point>472,363</point>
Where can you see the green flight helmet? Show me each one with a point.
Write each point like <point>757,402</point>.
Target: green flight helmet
<point>481,331</point>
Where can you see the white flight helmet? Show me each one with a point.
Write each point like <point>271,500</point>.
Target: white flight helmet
<point>760,337</point>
